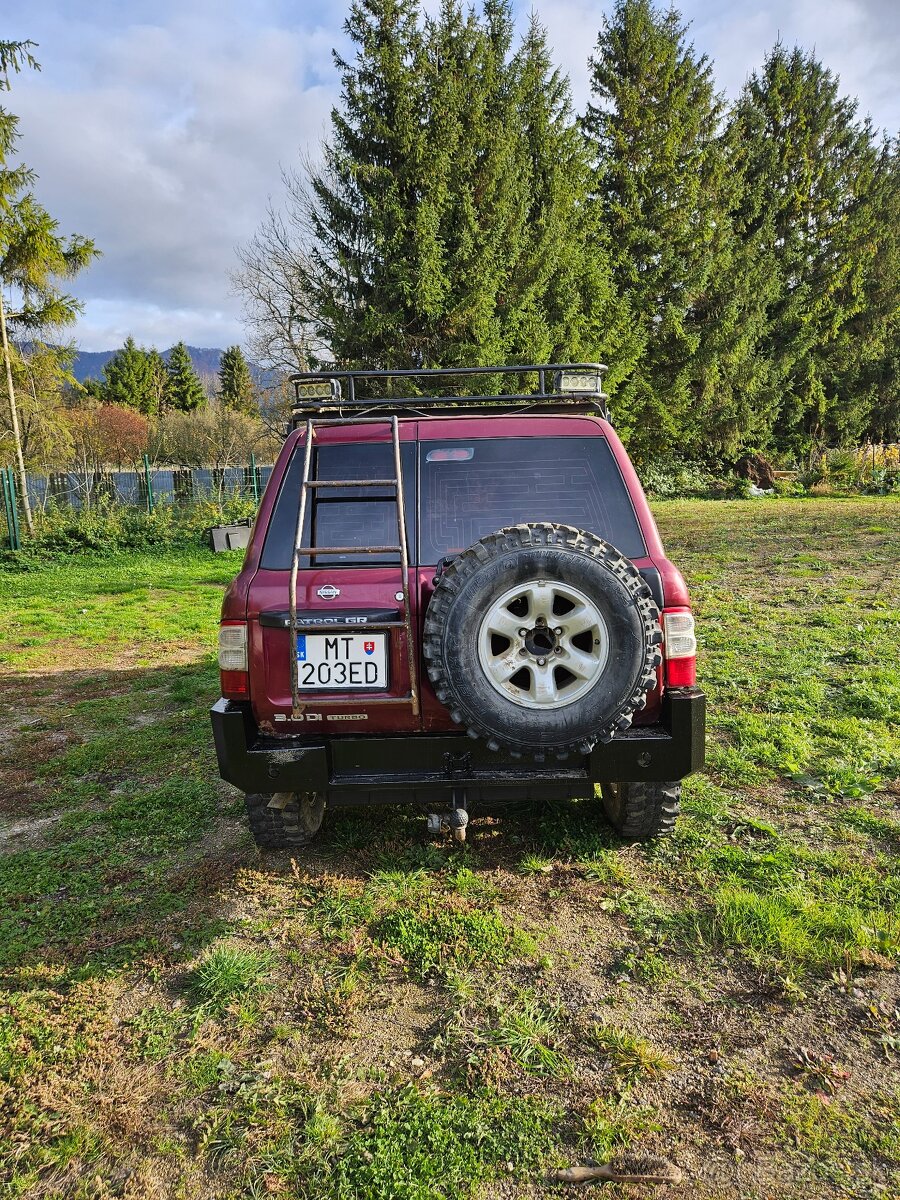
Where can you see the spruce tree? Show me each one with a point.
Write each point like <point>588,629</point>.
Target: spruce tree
<point>362,197</point>
<point>567,306</point>
<point>184,391</point>
<point>128,380</point>
<point>808,170</point>
<point>874,371</point>
<point>471,228</point>
<point>863,363</point>
<point>665,187</point>
<point>159,376</point>
<point>235,381</point>
<point>448,224</point>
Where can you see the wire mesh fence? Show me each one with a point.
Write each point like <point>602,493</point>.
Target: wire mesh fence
<point>142,489</point>
<point>156,485</point>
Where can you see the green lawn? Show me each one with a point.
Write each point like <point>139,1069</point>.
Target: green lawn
<point>395,1017</point>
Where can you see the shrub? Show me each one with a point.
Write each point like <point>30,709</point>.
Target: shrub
<point>670,479</point>
<point>110,528</point>
<point>869,469</point>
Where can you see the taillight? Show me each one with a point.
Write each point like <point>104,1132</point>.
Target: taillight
<point>233,660</point>
<point>679,647</point>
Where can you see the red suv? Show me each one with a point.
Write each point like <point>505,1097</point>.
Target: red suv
<point>455,600</point>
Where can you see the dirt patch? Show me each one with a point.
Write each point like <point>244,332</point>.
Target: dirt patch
<point>18,835</point>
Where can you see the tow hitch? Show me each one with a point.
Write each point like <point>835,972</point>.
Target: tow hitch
<point>455,820</point>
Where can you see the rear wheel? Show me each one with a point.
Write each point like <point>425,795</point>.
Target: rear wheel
<point>639,811</point>
<point>285,820</point>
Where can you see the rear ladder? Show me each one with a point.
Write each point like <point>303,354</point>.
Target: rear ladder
<point>296,627</point>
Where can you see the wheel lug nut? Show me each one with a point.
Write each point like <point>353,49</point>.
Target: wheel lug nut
<point>558,629</point>
<point>523,633</point>
<point>523,652</point>
<point>542,662</point>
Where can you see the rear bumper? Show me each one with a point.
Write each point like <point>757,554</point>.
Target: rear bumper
<point>377,770</point>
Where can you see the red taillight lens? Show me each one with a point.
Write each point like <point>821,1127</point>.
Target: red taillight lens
<point>681,672</point>
<point>235,685</point>
<point>679,647</point>
<point>235,680</point>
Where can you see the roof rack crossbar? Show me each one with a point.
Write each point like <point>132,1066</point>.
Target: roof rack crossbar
<point>346,399</point>
<point>336,372</point>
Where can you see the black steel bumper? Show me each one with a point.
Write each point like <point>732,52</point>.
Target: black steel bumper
<point>378,770</point>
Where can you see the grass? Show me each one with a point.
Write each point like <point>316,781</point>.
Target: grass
<point>630,1056</point>
<point>437,938</point>
<point>611,1126</point>
<point>520,1028</point>
<point>228,974</point>
<point>413,1145</point>
<point>393,1016</point>
<point>142,604</point>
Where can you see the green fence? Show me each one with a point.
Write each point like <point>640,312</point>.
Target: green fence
<point>10,507</point>
<point>145,488</point>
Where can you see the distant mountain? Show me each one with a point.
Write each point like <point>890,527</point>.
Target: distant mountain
<point>89,364</point>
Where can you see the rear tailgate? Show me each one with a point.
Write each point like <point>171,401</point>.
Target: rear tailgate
<point>479,474</point>
<point>350,679</point>
<point>369,597</point>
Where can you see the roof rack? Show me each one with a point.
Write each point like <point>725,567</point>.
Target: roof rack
<point>340,391</point>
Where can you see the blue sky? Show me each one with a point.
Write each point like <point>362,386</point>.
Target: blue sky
<point>159,128</point>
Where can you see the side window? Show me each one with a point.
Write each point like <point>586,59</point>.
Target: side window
<point>351,517</point>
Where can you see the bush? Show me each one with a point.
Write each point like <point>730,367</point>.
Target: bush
<point>671,479</point>
<point>110,528</point>
<point>874,470</point>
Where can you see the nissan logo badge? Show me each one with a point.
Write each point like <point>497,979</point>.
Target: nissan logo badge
<point>328,591</point>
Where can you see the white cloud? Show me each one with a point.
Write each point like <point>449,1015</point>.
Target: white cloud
<point>163,142</point>
<point>159,127</point>
<point>859,40</point>
<point>105,324</point>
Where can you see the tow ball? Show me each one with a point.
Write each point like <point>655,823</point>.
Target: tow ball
<point>455,820</point>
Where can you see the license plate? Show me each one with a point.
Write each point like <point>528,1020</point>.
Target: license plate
<point>343,661</point>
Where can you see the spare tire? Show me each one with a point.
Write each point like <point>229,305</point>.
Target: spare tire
<point>542,638</point>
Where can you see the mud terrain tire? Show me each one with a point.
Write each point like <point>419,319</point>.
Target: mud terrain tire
<point>288,828</point>
<point>543,709</point>
<point>640,811</point>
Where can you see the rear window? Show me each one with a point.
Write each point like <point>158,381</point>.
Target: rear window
<point>498,482</point>
<point>343,516</point>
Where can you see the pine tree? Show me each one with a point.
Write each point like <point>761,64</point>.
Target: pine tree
<point>184,391</point>
<point>808,169</point>
<point>235,380</point>
<point>34,257</point>
<point>665,187</point>
<point>128,379</point>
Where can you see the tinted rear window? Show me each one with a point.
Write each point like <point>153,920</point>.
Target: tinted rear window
<point>345,516</point>
<point>574,481</point>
